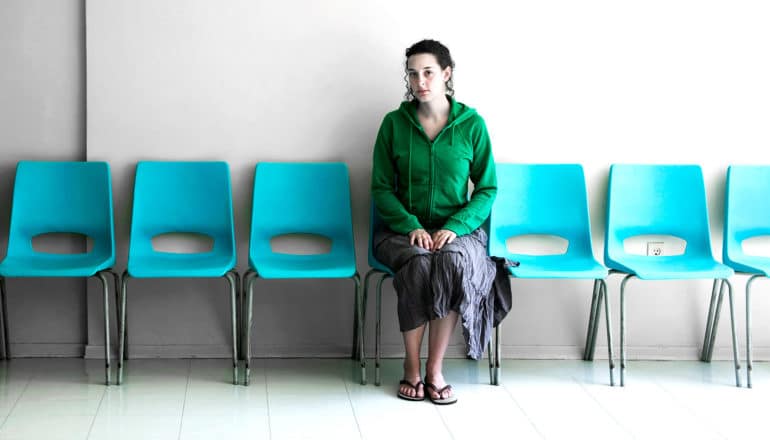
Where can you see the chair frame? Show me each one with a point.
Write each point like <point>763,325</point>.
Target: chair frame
<point>246,316</point>
<point>102,277</point>
<point>717,295</point>
<point>233,280</point>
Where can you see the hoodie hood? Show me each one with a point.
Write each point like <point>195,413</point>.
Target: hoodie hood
<point>458,113</point>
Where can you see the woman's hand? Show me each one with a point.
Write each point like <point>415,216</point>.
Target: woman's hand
<point>421,238</point>
<point>442,237</point>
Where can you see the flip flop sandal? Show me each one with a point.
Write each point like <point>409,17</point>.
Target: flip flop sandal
<point>413,386</point>
<point>439,401</point>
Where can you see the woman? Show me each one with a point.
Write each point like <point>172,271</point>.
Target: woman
<point>425,152</point>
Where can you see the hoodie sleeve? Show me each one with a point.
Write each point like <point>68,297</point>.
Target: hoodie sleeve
<point>484,179</point>
<point>389,207</point>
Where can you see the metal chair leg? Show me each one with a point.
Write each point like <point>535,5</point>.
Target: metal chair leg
<point>623,330</point>
<point>248,282</point>
<point>354,354</point>
<point>105,287</point>
<point>491,356</point>
<point>715,323</point>
<point>359,328</point>
<point>231,278</point>
<point>749,360</point>
<point>608,323</point>
<point>735,338</point>
<point>122,327</point>
<point>588,350</point>
<point>498,354</point>
<point>709,322</point>
<point>4,305</point>
<point>378,330</point>
<point>116,280</point>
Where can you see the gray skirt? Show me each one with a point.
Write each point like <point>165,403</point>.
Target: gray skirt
<point>460,277</point>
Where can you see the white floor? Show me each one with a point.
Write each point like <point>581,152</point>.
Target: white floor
<point>318,399</point>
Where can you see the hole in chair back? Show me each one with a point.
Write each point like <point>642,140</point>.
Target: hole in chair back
<point>654,245</point>
<point>301,244</point>
<point>758,246</point>
<point>537,244</point>
<point>182,243</point>
<point>62,243</point>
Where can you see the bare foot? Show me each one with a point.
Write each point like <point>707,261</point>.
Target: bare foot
<point>438,390</point>
<point>411,386</point>
<point>411,389</point>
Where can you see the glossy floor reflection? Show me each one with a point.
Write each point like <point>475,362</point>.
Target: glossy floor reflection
<point>321,398</point>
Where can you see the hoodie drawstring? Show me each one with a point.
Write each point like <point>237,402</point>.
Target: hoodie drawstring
<point>409,176</point>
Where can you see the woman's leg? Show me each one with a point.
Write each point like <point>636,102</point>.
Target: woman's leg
<point>412,364</point>
<point>438,340</point>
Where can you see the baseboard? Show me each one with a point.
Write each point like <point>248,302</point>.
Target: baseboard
<point>30,350</point>
<point>388,351</point>
<point>213,351</point>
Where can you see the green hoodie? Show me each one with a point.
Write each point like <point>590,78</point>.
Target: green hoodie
<point>431,178</point>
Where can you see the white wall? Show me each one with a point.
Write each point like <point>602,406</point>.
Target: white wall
<point>593,82</point>
<point>42,117</point>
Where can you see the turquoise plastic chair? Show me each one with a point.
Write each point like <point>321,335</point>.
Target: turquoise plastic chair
<point>61,197</point>
<point>664,200</point>
<point>747,215</point>
<point>182,197</point>
<point>377,268</point>
<point>302,198</point>
<point>549,199</point>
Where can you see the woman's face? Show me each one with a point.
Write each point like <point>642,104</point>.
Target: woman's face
<point>426,78</point>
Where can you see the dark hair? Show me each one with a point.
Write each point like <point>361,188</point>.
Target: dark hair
<point>442,55</point>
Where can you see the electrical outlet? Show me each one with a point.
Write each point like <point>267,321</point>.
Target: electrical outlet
<point>654,248</point>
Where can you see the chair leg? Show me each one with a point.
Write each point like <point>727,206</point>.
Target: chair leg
<point>715,323</point>
<point>122,327</point>
<point>105,287</point>
<point>709,322</point>
<point>588,351</point>
<point>233,281</point>
<point>248,281</point>
<point>749,361</point>
<point>498,354</point>
<point>116,280</point>
<point>354,353</point>
<point>4,305</point>
<point>608,324</point>
<point>491,361</point>
<point>378,330</point>
<point>364,306</point>
<point>238,310</point>
<point>623,330</point>
<point>358,338</point>
<point>735,338</point>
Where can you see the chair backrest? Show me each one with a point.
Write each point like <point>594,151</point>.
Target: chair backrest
<point>300,197</point>
<point>545,199</point>
<point>182,197</point>
<point>657,200</point>
<point>62,197</point>
<point>747,207</point>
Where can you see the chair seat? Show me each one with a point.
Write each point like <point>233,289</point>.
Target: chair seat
<point>304,266</point>
<point>678,267</point>
<point>376,265</point>
<point>558,266</point>
<point>750,264</point>
<point>56,265</point>
<point>170,265</point>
